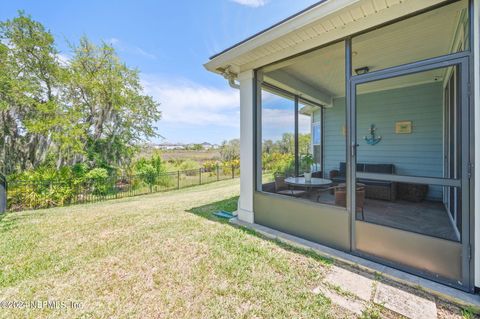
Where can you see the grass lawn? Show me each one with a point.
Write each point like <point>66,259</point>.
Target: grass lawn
<point>154,256</point>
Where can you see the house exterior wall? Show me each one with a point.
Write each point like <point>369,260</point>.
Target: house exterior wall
<point>335,135</point>
<point>421,104</point>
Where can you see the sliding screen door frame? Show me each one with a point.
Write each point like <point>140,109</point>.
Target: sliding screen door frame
<point>463,181</point>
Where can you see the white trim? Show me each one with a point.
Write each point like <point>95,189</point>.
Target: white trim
<point>476,90</point>
<point>315,13</point>
<point>247,91</point>
<point>245,216</point>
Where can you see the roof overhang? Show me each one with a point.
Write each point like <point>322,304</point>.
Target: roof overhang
<point>323,23</point>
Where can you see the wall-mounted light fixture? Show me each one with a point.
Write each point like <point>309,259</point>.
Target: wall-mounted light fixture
<point>362,70</point>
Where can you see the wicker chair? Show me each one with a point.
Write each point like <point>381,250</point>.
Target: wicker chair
<point>282,188</point>
<point>384,190</point>
<point>341,196</point>
<point>317,174</point>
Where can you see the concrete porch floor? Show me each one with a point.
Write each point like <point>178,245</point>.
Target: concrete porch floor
<point>360,285</point>
<point>426,217</point>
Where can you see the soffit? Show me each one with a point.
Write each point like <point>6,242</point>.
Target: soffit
<point>417,38</point>
<point>327,22</point>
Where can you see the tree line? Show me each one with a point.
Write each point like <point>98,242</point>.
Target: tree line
<point>279,156</point>
<point>89,109</point>
<point>286,144</point>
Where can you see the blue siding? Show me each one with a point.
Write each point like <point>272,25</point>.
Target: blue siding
<point>417,154</point>
<point>335,140</point>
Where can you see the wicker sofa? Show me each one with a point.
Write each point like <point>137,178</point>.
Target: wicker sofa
<point>384,190</point>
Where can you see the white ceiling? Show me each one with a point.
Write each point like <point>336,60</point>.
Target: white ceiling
<point>320,74</point>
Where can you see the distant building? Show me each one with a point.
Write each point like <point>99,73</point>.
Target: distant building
<point>179,146</point>
<point>170,146</point>
<point>207,146</point>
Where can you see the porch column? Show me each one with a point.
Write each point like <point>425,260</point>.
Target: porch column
<point>476,92</point>
<point>247,160</point>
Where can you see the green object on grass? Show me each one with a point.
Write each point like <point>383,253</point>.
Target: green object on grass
<point>223,214</point>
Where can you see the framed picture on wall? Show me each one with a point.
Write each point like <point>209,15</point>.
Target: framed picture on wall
<point>403,127</point>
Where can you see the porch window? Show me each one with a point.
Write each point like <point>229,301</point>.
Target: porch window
<point>302,113</point>
<point>278,134</point>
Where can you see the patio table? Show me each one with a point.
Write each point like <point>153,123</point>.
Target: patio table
<point>314,183</point>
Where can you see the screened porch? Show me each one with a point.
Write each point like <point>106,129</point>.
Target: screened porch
<point>407,126</point>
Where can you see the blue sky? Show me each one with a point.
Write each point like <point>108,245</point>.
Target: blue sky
<point>168,41</point>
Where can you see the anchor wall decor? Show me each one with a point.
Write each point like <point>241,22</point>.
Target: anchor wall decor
<point>372,139</point>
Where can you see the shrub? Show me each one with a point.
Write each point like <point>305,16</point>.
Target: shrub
<point>228,166</point>
<point>41,188</point>
<point>230,150</point>
<point>98,181</point>
<point>190,167</point>
<point>211,167</point>
<point>97,174</point>
<point>152,171</point>
<point>79,171</point>
<point>278,163</point>
<point>148,175</point>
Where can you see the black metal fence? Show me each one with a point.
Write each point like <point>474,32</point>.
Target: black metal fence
<point>22,195</point>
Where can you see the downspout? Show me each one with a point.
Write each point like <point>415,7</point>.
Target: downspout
<point>230,76</point>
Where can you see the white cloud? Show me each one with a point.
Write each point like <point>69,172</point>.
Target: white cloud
<point>63,59</point>
<point>113,41</point>
<point>281,118</point>
<point>272,118</point>
<point>125,47</point>
<point>186,102</point>
<point>251,3</point>
<point>144,53</point>
<point>189,104</point>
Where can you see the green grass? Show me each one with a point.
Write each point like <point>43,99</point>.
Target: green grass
<point>469,313</point>
<point>155,256</point>
<point>372,312</point>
